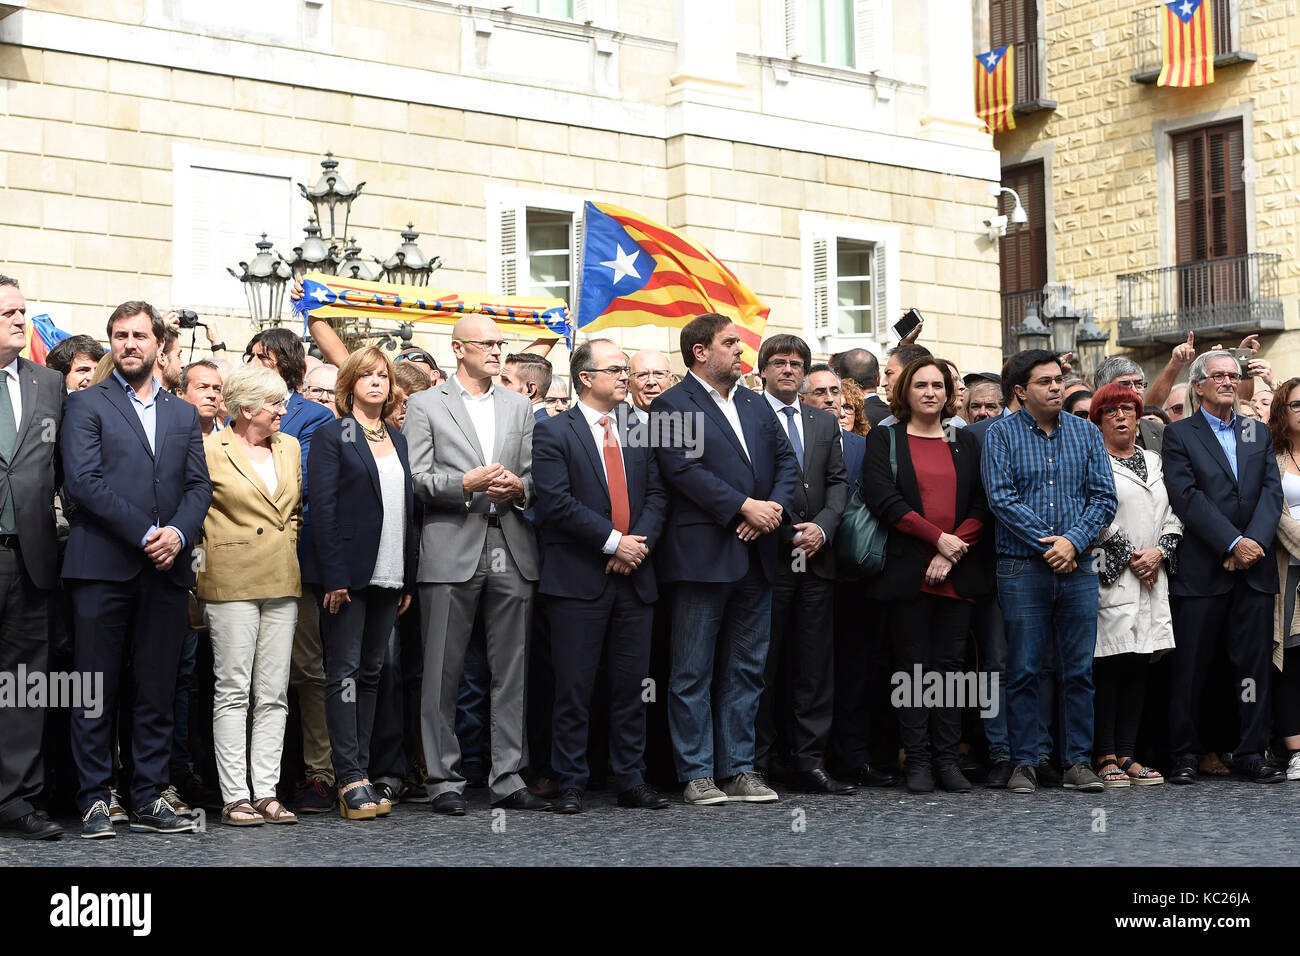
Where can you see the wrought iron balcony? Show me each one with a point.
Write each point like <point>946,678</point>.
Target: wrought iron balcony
<point>1236,294</point>
<point>1228,45</point>
<point>1030,66</point>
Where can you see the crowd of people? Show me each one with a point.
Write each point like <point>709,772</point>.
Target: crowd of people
<point>287,586</point>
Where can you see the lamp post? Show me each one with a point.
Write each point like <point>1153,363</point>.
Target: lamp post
<point>264,279</point>
<point>354,267</point>
<point>409,265</point>
<point>1031,333</point>
<point>313,255</point>
<point>329,194</point>
<point>1064,318</point>
<point>1091,341</point>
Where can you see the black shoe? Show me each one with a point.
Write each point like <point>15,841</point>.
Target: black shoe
<point>1049,775</point>
<point>1184,771</point>
<point>818,781</point>
<point>96,824</point>
<point>158,817</point>
<point>522,799</point>
<point>313,796</point>
<point>644,797</point>
<point>568,801</point>
<point>869,776</point>
<point>999,774</point>
<point>31,827</point>
<point>194,790</point>
<point>919,777</point>
<point>450,803</point>
<point>952,779</point>
<point>1257,771</point>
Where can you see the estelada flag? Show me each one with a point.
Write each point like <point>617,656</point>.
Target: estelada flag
<point>42,335</point>
<point>1186,43</point>
<point>995,88</point>
<point>638,272</point>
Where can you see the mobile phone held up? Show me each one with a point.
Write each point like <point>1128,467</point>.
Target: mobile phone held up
<point>910,320</point>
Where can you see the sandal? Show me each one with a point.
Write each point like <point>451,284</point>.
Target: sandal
<point>1146,777</point>
<point>241,806</point>
<point>1112,778</point>
<point>356,802</point>
<point>281,813</point>
<point>1212,766</point>
<point>382,794</point>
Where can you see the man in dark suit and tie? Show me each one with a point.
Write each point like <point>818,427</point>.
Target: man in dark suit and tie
<point>794,714</point>
<point>31,406</point>
<point>600,509</point>
<point>134,467</point>
<point>1223,484</point>
<point>732,477</point>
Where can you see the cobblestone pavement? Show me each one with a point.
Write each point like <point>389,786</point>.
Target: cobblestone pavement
<point>1212,823</point>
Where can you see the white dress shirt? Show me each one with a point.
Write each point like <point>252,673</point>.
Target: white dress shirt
<point>593,418</point>
<point>777,405</point>
<point>482,411</point>
<point>10,372</point>
<point>728,408</point>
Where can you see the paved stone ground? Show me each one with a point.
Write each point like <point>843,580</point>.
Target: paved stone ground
<point>1213,823</point>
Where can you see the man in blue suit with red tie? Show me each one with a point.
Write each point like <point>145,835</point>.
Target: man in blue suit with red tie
<point>135,470</point>
<point>600,509</point>
<point>731,475</point>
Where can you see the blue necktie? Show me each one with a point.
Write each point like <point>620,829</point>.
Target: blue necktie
<point>789,411</point>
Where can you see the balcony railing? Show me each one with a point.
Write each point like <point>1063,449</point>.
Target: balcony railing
<point>1013,313</point>
<point>1030,86</point>
<point>1236,294</point>
<point>1228,44</point>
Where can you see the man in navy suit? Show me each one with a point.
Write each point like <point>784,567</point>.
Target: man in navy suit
<point>731,475</point>
<point>135,469</point>
<point>600,509</point>
<point>1223,484</point>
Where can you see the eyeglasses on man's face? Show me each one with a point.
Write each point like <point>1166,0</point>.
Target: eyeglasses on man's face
<point>318,394</point>
<point>1220,377</point>
<point>561,401</point>
<point>1137,384</point>
<point>618,371</point>
<point>659,375</point>
<point>487,345</point>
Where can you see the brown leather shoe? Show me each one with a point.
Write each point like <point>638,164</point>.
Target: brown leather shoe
<point>545,787</point>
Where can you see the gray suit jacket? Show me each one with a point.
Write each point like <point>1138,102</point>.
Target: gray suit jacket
<point>443,447</point>
<point>31,476</point>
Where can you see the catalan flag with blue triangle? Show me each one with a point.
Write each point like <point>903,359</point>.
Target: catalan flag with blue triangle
<point>42,335</point>
<point>1186,43</point>
<point>995,88</point>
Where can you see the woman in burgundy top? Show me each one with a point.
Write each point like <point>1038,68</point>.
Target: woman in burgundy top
<point>935,510</point>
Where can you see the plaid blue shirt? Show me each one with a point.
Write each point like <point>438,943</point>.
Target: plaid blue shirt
<point>1039,485</point>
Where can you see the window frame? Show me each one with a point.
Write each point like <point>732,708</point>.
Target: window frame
<point>821,234</point>
<point>501,203</point>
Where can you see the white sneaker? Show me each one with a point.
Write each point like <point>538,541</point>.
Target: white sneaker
<point>1293,767</point>
<point>703,792</point>
<point>749,787</point>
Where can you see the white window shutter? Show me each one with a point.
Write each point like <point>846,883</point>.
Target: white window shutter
<point>509,233</point>
<point>821,287</point>
<point>575,270</point>
<point>873,46</point>
<point>584,11</point>
<point>796,13</point>
<point>879,286</point>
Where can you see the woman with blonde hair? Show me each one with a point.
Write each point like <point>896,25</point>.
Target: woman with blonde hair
<point>853,413</point>
<point>249,582</point>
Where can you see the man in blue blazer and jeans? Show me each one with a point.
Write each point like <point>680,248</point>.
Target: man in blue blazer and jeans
<point>135,470</point>
<point>731,476</point>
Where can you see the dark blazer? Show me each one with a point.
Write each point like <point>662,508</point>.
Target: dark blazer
<point>855,449</point>
<point>1151,435</point>
<point>1215,508</point>
<point>349,506</point>
<point>32,472</point>
<point>573,507</point>
<point>541,415</point>
<point>301,418</point>
<point>907,556</point>
<point>822,492</point>
<point>709,481</point>
<point>876,409</point>
<point>121,489</point>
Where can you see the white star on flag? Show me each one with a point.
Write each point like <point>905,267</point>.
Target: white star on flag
<point>320,295</point>
<point>992,60</point>
<point>1186,8</point>
<point>623,264</point>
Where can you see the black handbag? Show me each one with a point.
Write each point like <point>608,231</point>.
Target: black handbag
<point>861,539</point>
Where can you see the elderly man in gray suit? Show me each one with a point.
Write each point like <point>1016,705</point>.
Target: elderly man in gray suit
<point>471,446</point>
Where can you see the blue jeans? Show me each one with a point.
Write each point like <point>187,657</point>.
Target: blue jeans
<point>719,650</point>
<point>1037,606</point>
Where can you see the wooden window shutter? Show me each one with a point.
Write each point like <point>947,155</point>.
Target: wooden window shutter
<point>821,287</point>
<point>1209,194</point>
<point>880,318</point>
<point>1024,247</point>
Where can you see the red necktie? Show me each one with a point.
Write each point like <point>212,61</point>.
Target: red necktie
<point>619,509</point>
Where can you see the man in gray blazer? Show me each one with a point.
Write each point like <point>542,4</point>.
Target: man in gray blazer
<point>471,446</point>
<point>31,408</point>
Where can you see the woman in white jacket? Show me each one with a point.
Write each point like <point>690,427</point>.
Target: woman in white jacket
<point>1134,626</point>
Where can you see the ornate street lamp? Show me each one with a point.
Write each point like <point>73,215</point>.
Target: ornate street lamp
<point>1064,318</point>
<point>313,255</point>
<point>1091,341</point>
<point>354,267</point>
<point>264,279</point>
<point>1032,334</point>
<point>329,194</point>
<point>409,265</point>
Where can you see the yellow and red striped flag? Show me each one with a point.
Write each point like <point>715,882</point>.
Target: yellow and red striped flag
<point>1186,43</point>
<point>995,88</point>
<point>638,272</point>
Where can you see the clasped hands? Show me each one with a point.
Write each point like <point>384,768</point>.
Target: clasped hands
<point>950,550</point>
<point>1146,565</point>
<point>629,554</point>
<point>758,518</point>
<point>1243,555</point>
<point>1061,555</point>
<point>500,484</point>
<point>161,546</point>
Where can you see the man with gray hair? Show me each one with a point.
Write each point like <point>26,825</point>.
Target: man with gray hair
<point>1223,484</point>
<point>1126,372</point>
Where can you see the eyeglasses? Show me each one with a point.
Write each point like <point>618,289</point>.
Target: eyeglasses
<point>1111,411</point>
<point>277,408</point>
<point>487,345</point>
<point>779,363</point>
<point>1178,408</point>
<point>318,394</point>
<point>618,371</point>
<point>1044,382</point>
<point>556,401</point>
<point>657,374</point>
<point>1221,377</point>
<point>1133,383</point>
<point>1294,406</point>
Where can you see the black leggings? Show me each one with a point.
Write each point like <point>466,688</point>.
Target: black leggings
<point>1121,689</point>
<point>1286,697</point>
<point>929,631</point>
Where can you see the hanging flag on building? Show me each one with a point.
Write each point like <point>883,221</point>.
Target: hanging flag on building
<point>328,296</point>
<point>42,335</point>
<point>638,272</point>
<point>1186,43</point>
<point>995,88</point>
